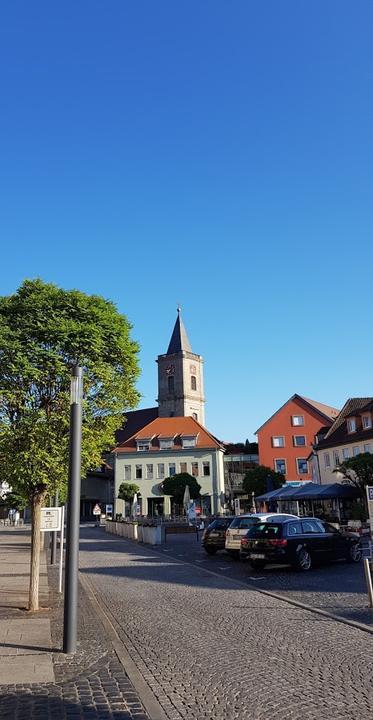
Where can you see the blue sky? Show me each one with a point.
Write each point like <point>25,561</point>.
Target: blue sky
<point>215,154</point>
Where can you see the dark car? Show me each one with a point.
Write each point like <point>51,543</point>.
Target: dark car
<point>213,538</point>
<point>299,543</point>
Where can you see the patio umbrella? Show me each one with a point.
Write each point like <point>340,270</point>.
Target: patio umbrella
<point>186,498</point>
<point>134,506</point>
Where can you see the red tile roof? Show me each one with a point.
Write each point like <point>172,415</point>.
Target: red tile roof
<point>172,427</point>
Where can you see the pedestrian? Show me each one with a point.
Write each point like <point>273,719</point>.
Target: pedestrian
<point>16,518</point>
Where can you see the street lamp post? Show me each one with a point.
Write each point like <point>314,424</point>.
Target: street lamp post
<point>73,514</point>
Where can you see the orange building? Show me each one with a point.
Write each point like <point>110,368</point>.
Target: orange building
<point>285,440</point>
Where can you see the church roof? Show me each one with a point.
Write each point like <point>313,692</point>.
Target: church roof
<point>179,339</point>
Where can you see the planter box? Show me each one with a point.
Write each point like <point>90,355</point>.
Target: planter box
<point>140,530</point>
<point>152,535</point>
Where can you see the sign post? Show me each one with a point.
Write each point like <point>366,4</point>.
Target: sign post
<point>50,519</point>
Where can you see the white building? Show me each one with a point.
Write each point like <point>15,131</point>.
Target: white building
<point>165,447</point>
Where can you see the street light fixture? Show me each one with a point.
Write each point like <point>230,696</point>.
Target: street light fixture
<point>73,514</point>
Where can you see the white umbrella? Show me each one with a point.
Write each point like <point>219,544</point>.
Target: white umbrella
<point>134,506</point>
<point>186,498</point>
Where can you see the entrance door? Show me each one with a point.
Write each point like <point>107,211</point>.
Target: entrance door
<point>155,507</point>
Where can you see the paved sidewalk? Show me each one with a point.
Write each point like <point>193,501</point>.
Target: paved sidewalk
<point>37,680</point>
<point>25,641</point>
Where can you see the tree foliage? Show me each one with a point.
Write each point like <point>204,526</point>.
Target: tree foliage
<point>262,479</point>
<point>357,471</point>
<point>44,331</point>
<point>126,491</point>
<point>176,484</point>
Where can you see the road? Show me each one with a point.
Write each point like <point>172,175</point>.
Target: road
<point>209,647</point>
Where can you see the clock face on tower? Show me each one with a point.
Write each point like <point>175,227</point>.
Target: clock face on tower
<point>193,369</point>
<point>170,369</point>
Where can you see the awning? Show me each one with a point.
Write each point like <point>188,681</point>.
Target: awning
<point>311,491</point>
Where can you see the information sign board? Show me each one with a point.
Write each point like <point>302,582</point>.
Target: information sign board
<point>50,519</point>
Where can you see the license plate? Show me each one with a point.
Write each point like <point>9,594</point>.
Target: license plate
<point>237,537</point>
<point>214,534</point>
<point>257,556</point>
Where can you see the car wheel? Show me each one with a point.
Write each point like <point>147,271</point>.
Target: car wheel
<point>355,553</point>
<point>210,550</point>
<point>303,560</point>
<point>257,564</point>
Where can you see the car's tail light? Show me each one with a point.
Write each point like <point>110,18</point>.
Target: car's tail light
<point>278,543</point>
<point>244,541</point>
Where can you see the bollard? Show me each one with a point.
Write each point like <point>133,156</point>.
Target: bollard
<point>368,578</point>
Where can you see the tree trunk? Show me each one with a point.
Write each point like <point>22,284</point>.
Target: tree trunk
<point>37,503</point>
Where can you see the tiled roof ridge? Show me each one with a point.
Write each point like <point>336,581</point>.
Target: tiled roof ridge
<point>351,404</point>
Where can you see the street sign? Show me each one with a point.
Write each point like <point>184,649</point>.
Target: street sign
<point>109,509</point>
<point>237,509</point>
<point>50,519</point>
<point>97,509</point>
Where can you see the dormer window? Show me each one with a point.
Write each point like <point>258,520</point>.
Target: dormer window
<point>366,421</point>
<point>166,443</point>
<point>189,441</point>
<point>351,425</point>
<point>143,445</point>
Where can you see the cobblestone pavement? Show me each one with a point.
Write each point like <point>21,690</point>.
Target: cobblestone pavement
<point>91,684</point>
<point>337,587</point>
<point>210,649</point>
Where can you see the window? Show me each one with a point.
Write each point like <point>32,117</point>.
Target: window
<point>294,528</point>
<point>351,425</point>
<point>171,384</point>
<point>206,468</point>
<point>346,453</point>
<point>171,469</point>
<point>302,466</point>
<point>138,472</point>
<point>356,451</point>
<point>336,458</point>
<point>367,421</point>
<point>326,460</point>
<point>297,420</point>
<point>311,526</point>
<point>149,472</point>
<point>160,471</point>
<point>278,441</point>
<point>299,440</point>
<point>280,466</point>
<point>195,469</point>
<point>194,416</point>
<point>193,382</point>
<point>183,467</point>
<point>127,472</point>
<point>166,443</point>
<point>142,445</point>
<point>188,442</point>
<point>368,448</point>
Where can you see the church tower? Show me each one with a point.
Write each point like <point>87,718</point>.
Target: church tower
<point>180,378</point>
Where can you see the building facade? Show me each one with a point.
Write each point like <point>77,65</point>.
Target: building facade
<point>166,447</point>
<point>286,439</point>
<point>351,434</point>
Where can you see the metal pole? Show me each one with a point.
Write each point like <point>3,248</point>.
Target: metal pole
<point>73,516</point>
<point>368,578</point>
<point>61,548</point>
<point>54,535</point>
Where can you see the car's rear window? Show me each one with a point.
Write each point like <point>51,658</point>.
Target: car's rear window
<point>265,530</point>
<point>243,522</point>
<point>220,523</point>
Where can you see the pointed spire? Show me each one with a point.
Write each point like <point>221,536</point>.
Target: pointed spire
<point>179,339</point>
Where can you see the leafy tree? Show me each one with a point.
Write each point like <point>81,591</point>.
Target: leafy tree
<point>44,331</point>
<point>176,484</point>
<point>127,491</point>
<point>260,479</point>
<point>358,471</point>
